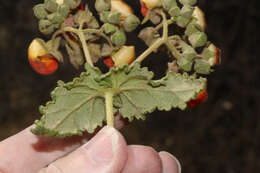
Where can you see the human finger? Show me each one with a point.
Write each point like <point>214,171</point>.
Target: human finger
<point>27,153</point>
<point>169,163</point>
<point>142,159</point>
<point>104,153</point>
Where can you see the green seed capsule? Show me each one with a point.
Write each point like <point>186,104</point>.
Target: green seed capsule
<point>175,11</point>
<point>168,4</point>
<point>113,17</point>
<point>185,64</point>
<point>39,11</point>
<point>55,18</point>
<point>104,16</point>
<point>131,23</point>
<point>50,5</point>
<point>182,21</point>
<point>198,39</point>
<point>188,2</point>
<point>187,11</point>
<point>72,4</point>
<point>188,52</point>
<point>118,38</point>
<point>64,10</point>
<point>192,28</point>
<point>109,28</point>
<point>45,26</point>
<point>103,5</point>
<point>202,66</point>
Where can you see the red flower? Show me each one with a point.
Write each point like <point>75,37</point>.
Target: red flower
<point>40,60</point>
<point>201,97</point>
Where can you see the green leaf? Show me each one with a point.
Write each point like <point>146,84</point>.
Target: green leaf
<point>79,105</point>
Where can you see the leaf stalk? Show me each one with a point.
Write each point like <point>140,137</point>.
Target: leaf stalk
<point>109,108</point>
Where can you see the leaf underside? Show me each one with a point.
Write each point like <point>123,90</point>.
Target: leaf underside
<point>79,106</point>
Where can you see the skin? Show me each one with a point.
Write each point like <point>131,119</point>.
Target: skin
<point>106,152</point>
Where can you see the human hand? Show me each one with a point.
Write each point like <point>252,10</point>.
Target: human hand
<point>106,152</point>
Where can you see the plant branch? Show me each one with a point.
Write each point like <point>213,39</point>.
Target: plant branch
<point>109,108</point>
<point>81,36</point>
<point>157,43</point>
<point>173,50</point>
<point>148,51</point>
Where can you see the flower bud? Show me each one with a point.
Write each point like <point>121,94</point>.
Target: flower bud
<point>114,17</point>
<point>39,11</point>
<point>103,5</point>
<point>188,2</point>
<point>182,21</point>
<point>51,5</point>
<point>193,28</point>
<point>46,27</point>
<point>187,11</point>
<point>118,38</point>
<point>212,54</point>
<point>200,16</point>
<point>72,4</point>
<point>109,28</point>
<point>131,23</point>
<point>60,2</point>
<point>198,39</point>
<point>104,16</point>
<point>174,11</point>
<point>151,3</point>
<point>168,4</point>
<point>55,18</point>
<point>121,7</point>
<point>202,66</point>
<point>63,10</point>
<point>185,64</point>
<point>125,55</point>
<point>39,59</point>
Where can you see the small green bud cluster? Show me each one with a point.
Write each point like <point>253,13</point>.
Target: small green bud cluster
<point>115,24</point>
<point>184,18</point>
<point>52,13</point>
<point>184,49</point>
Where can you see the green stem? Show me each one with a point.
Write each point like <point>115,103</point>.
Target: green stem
<point>157,43</point>
<point>169,22</point>
<point>173,50</point>
<point>81,36</point>
<point>100,33</point>
<point>165,27</point>
<point>109,108</point>
<point>85,47</point>
<point>148,51</point>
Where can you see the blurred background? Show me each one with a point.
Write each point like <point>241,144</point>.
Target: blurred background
<point>221,135</point>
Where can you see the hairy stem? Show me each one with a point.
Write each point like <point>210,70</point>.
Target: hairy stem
<point>173,50</point>
<point>148,51</point>
<point>99,33</point>
<point>157,43</point>
<point>81,36</point>
<point>85,47</point>
<point>109,108</point>
<point>158,27</point>
<point>165,27</point>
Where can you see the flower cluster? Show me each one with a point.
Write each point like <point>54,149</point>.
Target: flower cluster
<point>178,27</point>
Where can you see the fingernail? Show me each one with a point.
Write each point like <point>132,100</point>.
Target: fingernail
<point>174,158</point>
<point>103,147</point>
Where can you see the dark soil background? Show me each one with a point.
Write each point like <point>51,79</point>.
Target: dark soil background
<point>221,135</point>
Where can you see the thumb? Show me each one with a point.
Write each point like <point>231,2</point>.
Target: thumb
<point>104,153</point>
